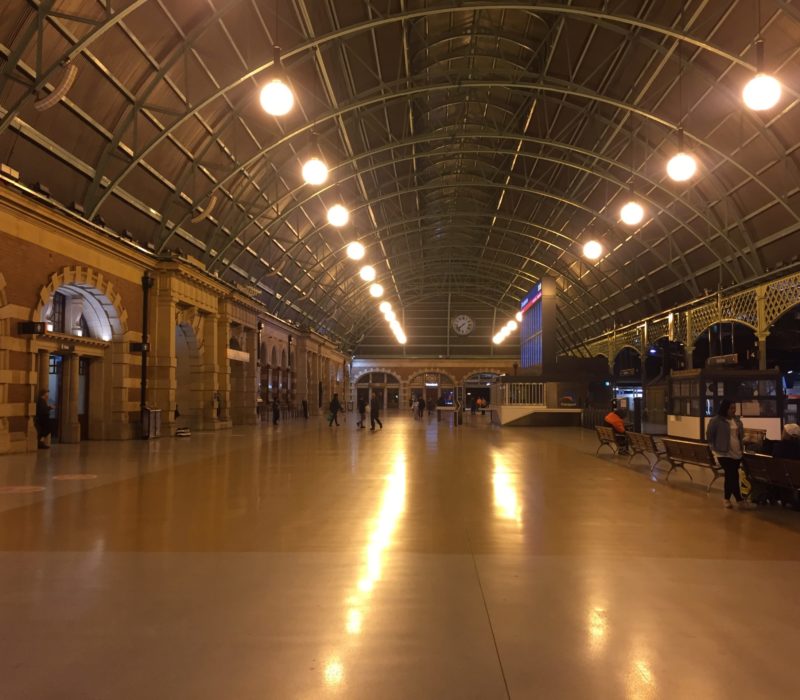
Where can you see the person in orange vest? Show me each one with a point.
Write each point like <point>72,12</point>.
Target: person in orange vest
<point>615,421</point>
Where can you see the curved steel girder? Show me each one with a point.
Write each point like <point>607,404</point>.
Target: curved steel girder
<point>563,270</point>
<point>655,185</point>
<point>515,85</point>
<point>520,40</point>
<point>759,125</point>
<point>41,80</point>
<point>654,206</point>
<point>526,190</point>
<point>583,310</point>
<point>602,18</point>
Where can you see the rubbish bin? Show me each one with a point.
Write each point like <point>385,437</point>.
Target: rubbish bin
<point>151,423</point>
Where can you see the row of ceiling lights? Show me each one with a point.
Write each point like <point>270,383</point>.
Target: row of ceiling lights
<point>761,93</point>
<point>508,329</point>
<point>391,317</point>
<point>277,99</point>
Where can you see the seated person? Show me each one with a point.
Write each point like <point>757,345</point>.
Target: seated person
<point>615,421</point>
<point>789,445</point>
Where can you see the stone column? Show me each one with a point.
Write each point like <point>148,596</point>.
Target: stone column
<point>300,383</point>
<point>162,361</point>
<point>208,375</point>
<point>250,393</point>
<point>223,369</point>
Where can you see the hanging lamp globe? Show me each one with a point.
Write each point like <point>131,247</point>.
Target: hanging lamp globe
<point>681,167</point>
<point>518,316</point>
<point>315,171</point>
<point>632,213</point>
<point>367,273</point>
<point>384,307</point>
<point>762,92</point>
<point>592,250</point>
<point>355,251</point>
<point>376,290</point>
<point>511,326</point>
<point>338,215</point>
<point>276,96</point>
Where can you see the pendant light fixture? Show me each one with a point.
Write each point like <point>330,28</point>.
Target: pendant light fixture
<point>763,91</point>
<point>632,212</point>
<point>592,250</point>
<point>355,251</point>
<point>315,170</point>
<point>376,290</point>
<point>338,215</point>
<point>276,96</point>
<point>682,166</point>
<point>367,273</point>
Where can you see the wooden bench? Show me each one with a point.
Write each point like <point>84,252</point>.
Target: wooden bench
<point>774,471</point>
<point>606,437</point>
<point>642,444</point>
<point>683,452</point>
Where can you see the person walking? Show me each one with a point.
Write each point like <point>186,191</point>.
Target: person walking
<point>334,409</point>
<point>276,411</point>
<point>42,419</point>
<point>420,407</point>
<point>725,437</point>
<point>374,411</point>
<point>362,413</point>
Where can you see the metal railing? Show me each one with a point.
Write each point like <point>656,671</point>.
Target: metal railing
<point>531,394</point>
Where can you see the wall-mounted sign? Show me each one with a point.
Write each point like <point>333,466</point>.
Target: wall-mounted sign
<point>238,355</point>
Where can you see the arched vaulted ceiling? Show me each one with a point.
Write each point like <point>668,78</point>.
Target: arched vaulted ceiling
<point>478,144</point>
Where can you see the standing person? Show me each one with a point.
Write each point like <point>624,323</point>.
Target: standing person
<point>42,420</point>
<point>725,435</point>
<point>334,409</point>
<point>276,411</point>
<point>362,413</point>
<point>374,411</point>
<point>421,407</point>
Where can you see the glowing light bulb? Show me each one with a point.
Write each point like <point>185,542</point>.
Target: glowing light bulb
<point>762,92</point>
<point>338,215</point>
<point>632,213</point>
<point>355,251</point>
<point>276,98</point>
<point>376,290</point>
<point>511,326</point>
<point>315,172</point>
<point>592,250</point>
<point>518,316</point>
<point>390,316</point>
<point>367,273</point>
<point>384,307</point>
<point>681,167</point>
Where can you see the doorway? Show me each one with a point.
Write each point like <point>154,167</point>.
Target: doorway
<point>83,397</point>
<point>55,387</point>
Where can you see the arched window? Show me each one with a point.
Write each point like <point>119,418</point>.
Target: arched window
<point>82,311</point>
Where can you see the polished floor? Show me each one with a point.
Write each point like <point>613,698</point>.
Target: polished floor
<point>418,561</point>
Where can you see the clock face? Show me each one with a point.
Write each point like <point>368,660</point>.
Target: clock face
<point>463,324</point>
